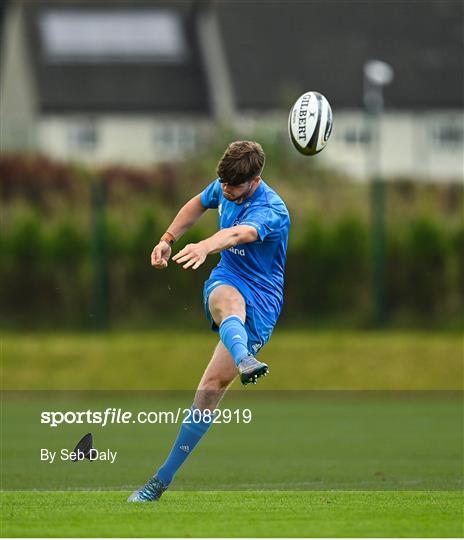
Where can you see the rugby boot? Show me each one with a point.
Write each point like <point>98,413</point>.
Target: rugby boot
<point>251,369</point>
<point>151,491</point>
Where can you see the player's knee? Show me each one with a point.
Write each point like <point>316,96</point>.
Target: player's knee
<point>214,384</point>
<point>220,315</point>
<point>211,385</point>
<point>225,309</point>
<point>209,394</point>
<point>224,302</point>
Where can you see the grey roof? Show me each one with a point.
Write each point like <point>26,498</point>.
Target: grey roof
<point>138,86</point>
<point>279,48</point>
<point>274,50</point>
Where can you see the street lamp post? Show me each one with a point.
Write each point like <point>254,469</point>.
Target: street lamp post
<point>377,74</point>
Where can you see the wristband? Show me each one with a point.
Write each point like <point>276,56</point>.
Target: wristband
<point>168,237</point>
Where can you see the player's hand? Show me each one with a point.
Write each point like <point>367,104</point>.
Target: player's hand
<point>160,255</point>
<point>193,255</point>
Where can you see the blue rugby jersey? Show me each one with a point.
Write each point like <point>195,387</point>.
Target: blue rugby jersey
<point>261,264</point>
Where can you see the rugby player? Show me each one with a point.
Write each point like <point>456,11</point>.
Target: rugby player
<point>243,296</point>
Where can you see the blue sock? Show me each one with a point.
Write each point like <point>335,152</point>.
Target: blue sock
<point>189,436</point>
<point>233,335</point>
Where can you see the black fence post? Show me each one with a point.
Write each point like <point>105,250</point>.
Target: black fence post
<point>100,256</point>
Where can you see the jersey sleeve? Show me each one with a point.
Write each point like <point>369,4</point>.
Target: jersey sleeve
<point>210,195</point>
<point>265,220</point>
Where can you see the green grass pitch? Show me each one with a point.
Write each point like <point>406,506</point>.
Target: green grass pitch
<point>363,464</point>
<point>166,360</point>
<point>235,514</point>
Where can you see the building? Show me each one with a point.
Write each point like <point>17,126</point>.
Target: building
<point>145,81</point>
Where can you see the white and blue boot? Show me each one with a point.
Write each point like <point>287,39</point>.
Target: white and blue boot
<point>151,491</point>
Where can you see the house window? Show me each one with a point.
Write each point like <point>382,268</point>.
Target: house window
<point>83,137</point>
<point>357,135</point>
<point>121,35</point>
<point>448,135</point>
<point>172,139</point>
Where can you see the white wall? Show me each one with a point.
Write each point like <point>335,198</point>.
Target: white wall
<point>127,139</point>
<point>410,142</point>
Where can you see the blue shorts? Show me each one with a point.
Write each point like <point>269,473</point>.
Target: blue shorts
<point>259,322</point>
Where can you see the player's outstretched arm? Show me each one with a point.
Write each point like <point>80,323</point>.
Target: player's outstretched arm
<point>187,216</point>
<point>194,255</point>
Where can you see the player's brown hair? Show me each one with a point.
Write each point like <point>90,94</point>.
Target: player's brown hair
<point>242,161</point>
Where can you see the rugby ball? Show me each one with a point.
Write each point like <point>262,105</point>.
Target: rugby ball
<point>310,123</point>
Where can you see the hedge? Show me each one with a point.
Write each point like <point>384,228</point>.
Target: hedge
<point>47,272</point>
